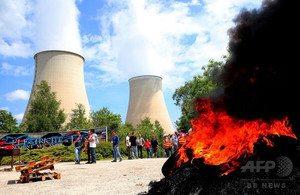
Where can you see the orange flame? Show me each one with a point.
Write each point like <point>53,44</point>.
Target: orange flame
<point>221,139</point>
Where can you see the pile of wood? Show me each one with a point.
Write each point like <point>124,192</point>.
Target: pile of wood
<point>36,170</point>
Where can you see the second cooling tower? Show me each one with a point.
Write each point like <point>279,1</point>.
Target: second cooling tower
<point>146,100</point>
<point>63,71</point>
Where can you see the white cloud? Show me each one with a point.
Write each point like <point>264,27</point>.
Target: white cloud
<point>15,28</point>
<point>14,70</point>
<point>18,94</point>
<point>12,18</point>
<point>15,48</point>
<point>167,38</point>
<point>4,108</point>
<point>19,116</point>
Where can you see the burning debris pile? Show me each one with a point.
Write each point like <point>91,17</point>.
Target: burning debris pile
<point>255,176</point>
<point>269,165</point>
<point>221,140</point>
<point>245,140</point>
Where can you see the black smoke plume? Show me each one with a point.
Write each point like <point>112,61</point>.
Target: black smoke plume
<point>261,79</point>
<point>259,82</point>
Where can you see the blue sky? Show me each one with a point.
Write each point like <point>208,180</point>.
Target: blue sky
<point>119,39</point>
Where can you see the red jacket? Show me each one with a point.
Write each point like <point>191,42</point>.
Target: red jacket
<point>147,144</point>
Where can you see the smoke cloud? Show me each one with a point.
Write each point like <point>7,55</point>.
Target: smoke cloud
<point>260,80</point>
<point>57,26</point>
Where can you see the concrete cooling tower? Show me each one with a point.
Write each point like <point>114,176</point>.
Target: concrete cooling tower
<point>146,100</point>
<point>63,71</point>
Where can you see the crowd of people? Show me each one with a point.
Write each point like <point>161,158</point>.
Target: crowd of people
<point>135,145</point>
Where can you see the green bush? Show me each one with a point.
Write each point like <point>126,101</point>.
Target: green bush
<point>105,149</point>
<point>66,153</point>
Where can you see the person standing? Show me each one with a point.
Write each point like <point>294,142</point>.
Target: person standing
<point>140,145</point>
<point>79,144</point>
<point>93,143</point>
<point>133,147</point>
<point>181,138</point>
<point>175,141</point>
<point>116,141</point>
<point>148,147</point>
<point>154,145</point>
<point>167,145</point>
<point>128,145</point>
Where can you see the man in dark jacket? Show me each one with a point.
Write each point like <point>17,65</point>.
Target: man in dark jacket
<point>133,147</point>
<point>79,144</point>
<point>154,145</point>
<point>115,142</point>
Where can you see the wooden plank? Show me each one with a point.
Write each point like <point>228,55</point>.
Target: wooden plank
<point>18,168</point>
<point>50,166</point>
<point>45,158</point>
<point>22,169</point>
<point>39,176</point>
<point>33,170</point>
<point>40,163</point>
<point>24,179</point>
<point>31,163</point>
<point>57,175</point>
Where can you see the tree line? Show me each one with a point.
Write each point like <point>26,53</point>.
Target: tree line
<point>45,115</point>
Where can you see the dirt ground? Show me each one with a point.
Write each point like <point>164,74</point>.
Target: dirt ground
<point>104,177</point>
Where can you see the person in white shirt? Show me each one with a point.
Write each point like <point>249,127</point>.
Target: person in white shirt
<point>128,145</point>
<point>140,145</point>
<point>93,143</point>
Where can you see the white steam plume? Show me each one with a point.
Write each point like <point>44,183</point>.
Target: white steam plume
<point>57,26</point>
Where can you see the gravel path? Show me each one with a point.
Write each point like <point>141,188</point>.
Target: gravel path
<point>104,177</point>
